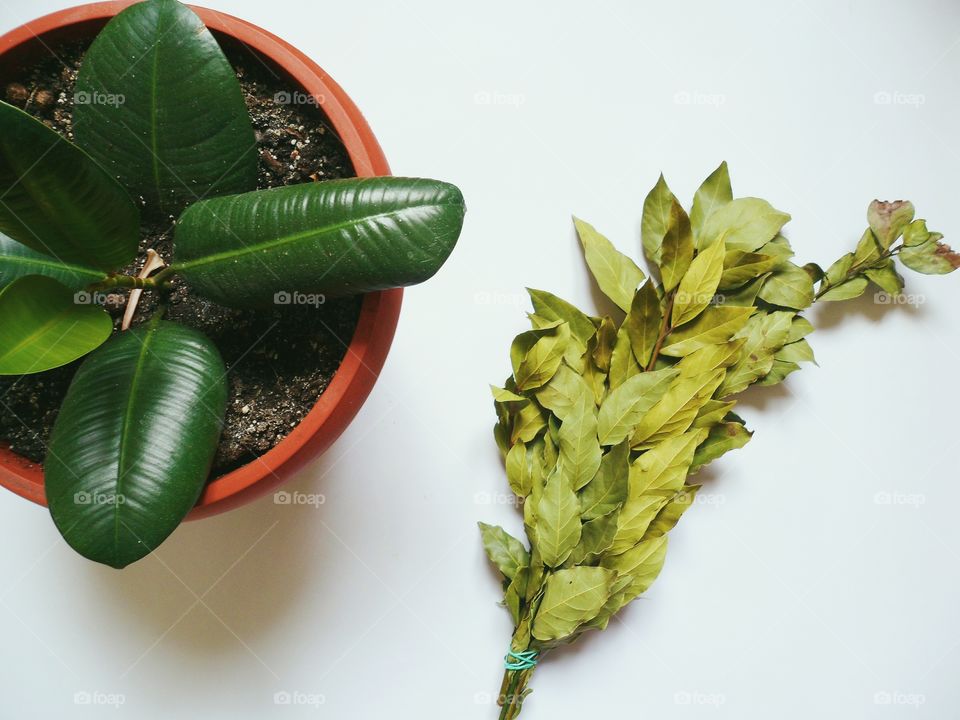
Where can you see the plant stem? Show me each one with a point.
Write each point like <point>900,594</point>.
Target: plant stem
<point>126,281</point>
<point>512,691</point>
<point>665,330</point>
<point>854,270</point>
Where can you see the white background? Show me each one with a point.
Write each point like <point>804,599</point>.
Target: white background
<point>796,591</point>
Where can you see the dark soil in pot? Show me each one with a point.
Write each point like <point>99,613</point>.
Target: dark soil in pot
<point>278,361</point>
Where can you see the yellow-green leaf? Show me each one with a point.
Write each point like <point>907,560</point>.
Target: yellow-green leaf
<point>570,598</point>
<point>713,193</point>
<point>677,250</point>
<point>623,408</point>
<point>608,490</point>
<point>715,325</point>
<point>699,284</point>
<point>616,274</point>
<point>558,520</point>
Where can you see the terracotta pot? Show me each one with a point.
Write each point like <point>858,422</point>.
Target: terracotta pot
<point>379,314</point>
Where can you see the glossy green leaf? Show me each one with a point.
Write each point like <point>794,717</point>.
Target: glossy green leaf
<point>159,106</point>
<point>570,598</point>
<point>42,327</point>
<point>17,261</point>
<point>341,237</point>
<point>656,220</point>
<point>714,193</point>
<point>699,284</point>
<point>608,490</point>
<point>506,552</point>
<point>57,201</point>
<point>558,520</point>
<point>677,249</point>
<point>134,441</point>
<point>745,224</point>
<point>616,274</point>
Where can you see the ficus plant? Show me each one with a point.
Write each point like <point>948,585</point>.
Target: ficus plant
<point>171,139</point>
<point>604,422</point>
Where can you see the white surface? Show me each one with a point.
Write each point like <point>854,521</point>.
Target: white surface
<point>794,594</point>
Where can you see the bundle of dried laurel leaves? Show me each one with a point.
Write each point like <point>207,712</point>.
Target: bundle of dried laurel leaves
<point>602,423</point>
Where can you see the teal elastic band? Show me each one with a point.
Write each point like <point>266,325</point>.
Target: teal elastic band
<point>521,661</point>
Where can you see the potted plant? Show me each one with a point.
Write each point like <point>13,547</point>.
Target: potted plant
<point>161,147</point>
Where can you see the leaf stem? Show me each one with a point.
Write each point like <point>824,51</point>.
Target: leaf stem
<point>665,329</point>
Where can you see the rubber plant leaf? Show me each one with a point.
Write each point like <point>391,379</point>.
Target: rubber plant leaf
<point>134,441</point>
<point>56,200</point>
<point>342,237</point>
<point>17,261</point>
<point>158,104</point>
<point>42,326</point>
